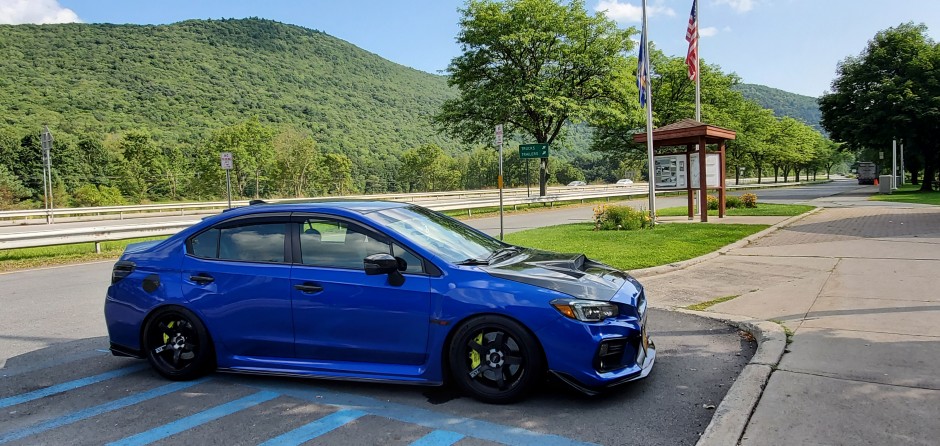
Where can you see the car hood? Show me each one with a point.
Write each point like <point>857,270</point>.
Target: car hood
<point>572,274</point>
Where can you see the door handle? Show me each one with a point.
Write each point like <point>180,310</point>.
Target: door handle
<point>308,287</point>
<point>202,279</point>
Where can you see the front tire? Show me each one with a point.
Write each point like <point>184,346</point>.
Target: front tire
<point>177,344</point>
<point>495,360</point>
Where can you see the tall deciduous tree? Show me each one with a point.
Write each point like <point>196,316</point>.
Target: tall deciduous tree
<point>892,89</point>
<point>250,145</point>
<point>532,65</point>
<point>299,163</point>
<point>144,165</point>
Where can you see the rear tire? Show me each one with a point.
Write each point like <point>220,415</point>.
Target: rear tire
<point>495,359</point>
<point>177,344</point>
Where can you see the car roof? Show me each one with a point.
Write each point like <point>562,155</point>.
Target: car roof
<point>357,206</point>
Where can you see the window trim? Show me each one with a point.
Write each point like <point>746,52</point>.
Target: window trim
<point>245,220</point>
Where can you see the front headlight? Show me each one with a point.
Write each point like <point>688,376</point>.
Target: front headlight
<point>585,310</point>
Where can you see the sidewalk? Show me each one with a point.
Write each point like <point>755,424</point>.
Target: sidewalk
<point>857,284</point>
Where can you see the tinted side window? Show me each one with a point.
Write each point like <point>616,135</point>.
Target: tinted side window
<point>413,261</point>
<point>254,242</point>
<point>334,244</point>
<point>206,245</point>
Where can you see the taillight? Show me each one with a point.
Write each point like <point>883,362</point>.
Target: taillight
<point>122,269</point>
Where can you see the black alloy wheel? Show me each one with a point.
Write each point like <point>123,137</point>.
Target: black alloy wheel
<point>177,344</point>
<point>495,360</point>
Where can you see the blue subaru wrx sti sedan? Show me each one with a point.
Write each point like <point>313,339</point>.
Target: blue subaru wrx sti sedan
<point>375,291</point>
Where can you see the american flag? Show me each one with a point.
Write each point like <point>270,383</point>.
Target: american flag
<point>691,36</point>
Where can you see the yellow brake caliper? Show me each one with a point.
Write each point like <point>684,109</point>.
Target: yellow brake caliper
<point>166,337</point>
<point>474,356</point>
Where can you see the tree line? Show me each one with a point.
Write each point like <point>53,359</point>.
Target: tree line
<point>97,163</point>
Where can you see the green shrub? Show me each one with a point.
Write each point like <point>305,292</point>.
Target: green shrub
<point>732,202</point>
<point>749,200</point>
<point>612,218</point>
<point>712,203</point>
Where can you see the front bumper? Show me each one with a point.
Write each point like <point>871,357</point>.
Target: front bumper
<point>574,354</point>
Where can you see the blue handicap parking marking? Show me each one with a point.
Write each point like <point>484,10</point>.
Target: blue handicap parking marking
<point>468,427</point>
<point>438,438</point>
<point>159,433</point>
<point>70,385</point>
<point>315,429</point>
<point>97,410</point>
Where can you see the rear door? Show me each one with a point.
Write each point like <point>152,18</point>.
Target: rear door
<point>237,274</point>
<point>343,315</point>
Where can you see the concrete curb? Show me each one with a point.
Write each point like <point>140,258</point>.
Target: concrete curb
<point>734,411</point>
<point>663,269</point>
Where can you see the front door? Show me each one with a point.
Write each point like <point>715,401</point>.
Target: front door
<point>343,315</point>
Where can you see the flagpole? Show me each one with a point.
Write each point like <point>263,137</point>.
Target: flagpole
<point>698,72</point>
<point>649,119</point>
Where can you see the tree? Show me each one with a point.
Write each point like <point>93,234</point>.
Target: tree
<point>533,65</point>
<point>891,89</point>
<point>754,132</point>
<point>252,152</point>
<point>144,165</point>
<point>11,190</point>
<point>673,99</point>
<point>338,178</point>
<point>299,163</point>
<point>427,168</point>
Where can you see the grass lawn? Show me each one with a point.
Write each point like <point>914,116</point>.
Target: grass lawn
<point>628,250</point>
<point>762,209</point>
<point>910,193</point>
<point>22,258</point>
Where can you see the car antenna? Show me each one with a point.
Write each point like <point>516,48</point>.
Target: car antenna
<point>254,202</point>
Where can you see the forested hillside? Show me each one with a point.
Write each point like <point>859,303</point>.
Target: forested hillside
<point>179,81</point>
<point>784,103</point>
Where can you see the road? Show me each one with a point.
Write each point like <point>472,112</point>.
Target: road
<point>58,385</point>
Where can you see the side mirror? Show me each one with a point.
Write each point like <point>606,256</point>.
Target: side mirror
<point>384,264</point>
<point>380,264</point>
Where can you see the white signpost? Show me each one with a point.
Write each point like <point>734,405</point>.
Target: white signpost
<point>227,164</point>
<point>46,139</point>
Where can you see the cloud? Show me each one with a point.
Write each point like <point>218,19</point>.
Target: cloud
<point>708,32</point>
<point>15,12</point>
<point>737,5</point>
<point>627,12</point>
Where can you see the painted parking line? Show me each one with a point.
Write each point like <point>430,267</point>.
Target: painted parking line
<point>192,421</point>
<point>70,385</point>
<point>438,438</point>
<point>98,410</point>
<point>315,429</point>
<point>468,427</point>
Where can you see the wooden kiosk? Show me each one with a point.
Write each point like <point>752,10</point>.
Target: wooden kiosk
<point>674,169</point>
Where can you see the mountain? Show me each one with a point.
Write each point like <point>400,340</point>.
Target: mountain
<point>784,103</point>
<point>183,80</point>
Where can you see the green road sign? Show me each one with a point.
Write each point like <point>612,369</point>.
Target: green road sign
<point>528,151</point>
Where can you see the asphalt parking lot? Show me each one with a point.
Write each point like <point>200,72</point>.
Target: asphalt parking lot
<point>76,393</point>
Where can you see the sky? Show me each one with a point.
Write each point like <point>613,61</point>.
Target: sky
<point>793,45</point>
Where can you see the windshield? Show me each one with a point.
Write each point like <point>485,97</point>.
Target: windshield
<point>449,239</point>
